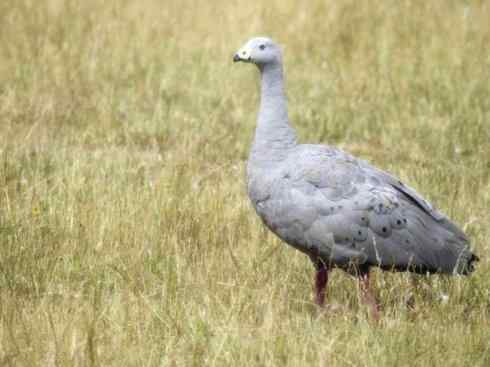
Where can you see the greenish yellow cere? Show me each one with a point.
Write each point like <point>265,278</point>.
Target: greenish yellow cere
<point>126,237</point>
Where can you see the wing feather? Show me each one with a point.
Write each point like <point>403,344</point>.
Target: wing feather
<point>374,218</point>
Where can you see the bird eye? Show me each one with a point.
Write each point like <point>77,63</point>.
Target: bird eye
<point>262,47</point>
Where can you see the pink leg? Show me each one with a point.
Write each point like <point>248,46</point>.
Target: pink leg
<point>367,296</point>
<point>321,281</point>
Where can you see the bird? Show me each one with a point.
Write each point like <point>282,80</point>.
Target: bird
<point>339,210</point>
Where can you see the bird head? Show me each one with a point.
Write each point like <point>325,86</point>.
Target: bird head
<point>260,51</point>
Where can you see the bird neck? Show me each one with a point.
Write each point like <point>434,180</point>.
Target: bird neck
<point>273,135</point>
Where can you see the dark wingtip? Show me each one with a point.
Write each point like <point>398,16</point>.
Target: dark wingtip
<point>470,267</point>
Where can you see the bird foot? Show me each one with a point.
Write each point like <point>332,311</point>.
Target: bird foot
<point>321,280</point>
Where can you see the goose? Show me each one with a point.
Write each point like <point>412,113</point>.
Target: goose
<point>341,211</point>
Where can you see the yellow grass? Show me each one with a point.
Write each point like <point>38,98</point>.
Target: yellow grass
<point>126,237</point>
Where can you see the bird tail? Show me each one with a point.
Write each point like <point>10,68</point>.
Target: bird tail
<point>466,265</point>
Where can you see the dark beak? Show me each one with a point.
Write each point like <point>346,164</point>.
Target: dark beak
<point>236,58</point>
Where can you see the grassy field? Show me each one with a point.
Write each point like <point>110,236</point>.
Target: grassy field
<point>126,237</point>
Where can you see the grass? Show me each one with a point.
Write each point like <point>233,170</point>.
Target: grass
<point>126,237</point>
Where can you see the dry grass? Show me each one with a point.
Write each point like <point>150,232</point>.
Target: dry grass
<point>126,237</point>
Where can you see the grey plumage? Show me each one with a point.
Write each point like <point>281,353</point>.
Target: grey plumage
<point>339,210</point>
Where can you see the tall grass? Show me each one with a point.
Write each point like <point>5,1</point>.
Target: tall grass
<point>126,237</point>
